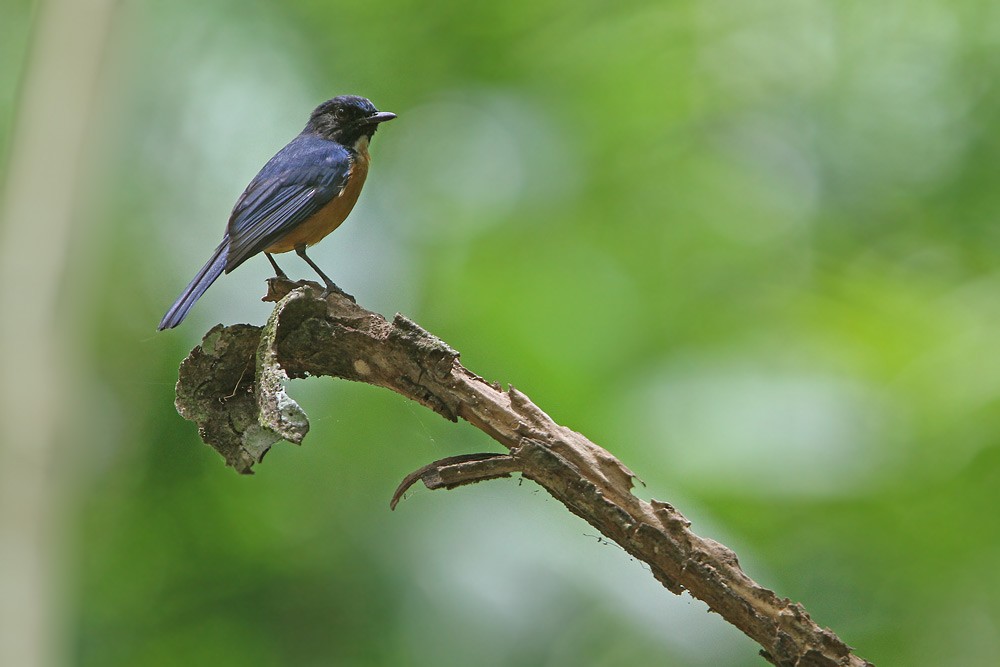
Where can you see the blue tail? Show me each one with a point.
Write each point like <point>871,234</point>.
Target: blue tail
<point>201,282</point>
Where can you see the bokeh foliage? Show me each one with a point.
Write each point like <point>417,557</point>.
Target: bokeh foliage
<point>750,247</point>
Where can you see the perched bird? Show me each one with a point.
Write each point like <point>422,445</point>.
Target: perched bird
<point>302,194</point>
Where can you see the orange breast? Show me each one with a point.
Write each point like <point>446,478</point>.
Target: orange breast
<point>328,218</point>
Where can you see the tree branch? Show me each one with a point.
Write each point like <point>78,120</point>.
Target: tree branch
<point>242,413</point>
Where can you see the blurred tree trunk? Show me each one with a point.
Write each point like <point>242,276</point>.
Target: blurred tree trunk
<point>40,203</point>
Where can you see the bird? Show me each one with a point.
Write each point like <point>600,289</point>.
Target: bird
<point>302,194</point>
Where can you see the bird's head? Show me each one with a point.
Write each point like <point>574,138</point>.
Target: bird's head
<point>347,119</point>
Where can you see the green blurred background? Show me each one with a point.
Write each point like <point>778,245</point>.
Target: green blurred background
<point>749,246</point>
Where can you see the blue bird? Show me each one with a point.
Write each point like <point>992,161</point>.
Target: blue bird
<point>302,194</point>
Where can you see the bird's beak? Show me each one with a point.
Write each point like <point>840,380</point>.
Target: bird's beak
<point>379,117</point>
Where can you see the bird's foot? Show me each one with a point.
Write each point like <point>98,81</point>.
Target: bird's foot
<point>331,288</point>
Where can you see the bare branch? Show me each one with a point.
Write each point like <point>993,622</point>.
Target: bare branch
<point>307,335</point>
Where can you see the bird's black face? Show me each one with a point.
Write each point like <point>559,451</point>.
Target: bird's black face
<point>346,119</point>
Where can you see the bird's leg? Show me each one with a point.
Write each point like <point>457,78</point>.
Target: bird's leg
<point>300,250</point>
<point>277,269</point>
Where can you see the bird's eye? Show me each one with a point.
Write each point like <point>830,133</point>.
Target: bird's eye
<point>340,113</point>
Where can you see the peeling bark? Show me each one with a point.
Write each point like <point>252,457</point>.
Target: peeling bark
<point>242,413</point>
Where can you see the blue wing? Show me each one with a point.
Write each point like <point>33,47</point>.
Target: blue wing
<point>296,183</point>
